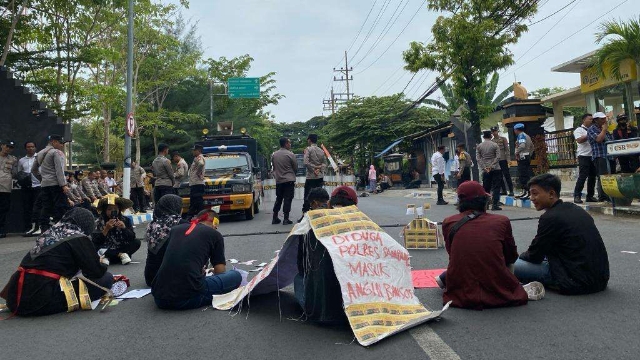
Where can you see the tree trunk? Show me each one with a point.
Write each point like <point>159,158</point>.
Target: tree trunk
<point>137,131</point>
<point>155,139</point>
<point>14,23</point>
<point>106,115</point>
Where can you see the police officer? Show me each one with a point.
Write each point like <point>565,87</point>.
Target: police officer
<point>316,163</point>
<point>8,170</point>
<point>505,156</point>
<point>196,181</point>
<point>49,168</point>
<point>163,173</point>
<point>524,150</point>
<point>182,170</point>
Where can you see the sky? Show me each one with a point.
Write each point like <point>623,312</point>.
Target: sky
<point>303,40</point>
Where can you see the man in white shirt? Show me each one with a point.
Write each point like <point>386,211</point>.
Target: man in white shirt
<point>586,168</point>
<point>30,194</point>
<point>437,168</point>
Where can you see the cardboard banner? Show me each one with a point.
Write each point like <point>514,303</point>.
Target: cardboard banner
<point>373,270</point>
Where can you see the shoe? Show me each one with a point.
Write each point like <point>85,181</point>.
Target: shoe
<point>500,203</point>
<point>439,281</point>
<point>124,258</point>
<point>287,222</point>
<point>535,290</point>
<point>577,200</point>
<point>105,261</point>
<point>36,233</point>
<point>301,217</point>
<point>34,227</point>
<point>496,208</point>
<point>275,220</point>
<point>603,199</point>
<point>442,202</point>
<point>503,193</point>
<point>3,235</point>
<point>591,199</point>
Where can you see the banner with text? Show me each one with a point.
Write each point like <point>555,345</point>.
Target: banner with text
<point>373,270</point>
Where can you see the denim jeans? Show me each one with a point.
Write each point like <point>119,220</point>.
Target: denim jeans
<point>527,272</point>
<point>213,285</point>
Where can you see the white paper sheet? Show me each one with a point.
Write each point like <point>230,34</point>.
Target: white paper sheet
<point>135,294</point>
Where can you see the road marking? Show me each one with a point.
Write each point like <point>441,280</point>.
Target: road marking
<point>432,344</point>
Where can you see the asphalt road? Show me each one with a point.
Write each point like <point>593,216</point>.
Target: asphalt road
<point>600,326</point>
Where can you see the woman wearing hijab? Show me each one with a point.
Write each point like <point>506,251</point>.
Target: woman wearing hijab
<point>165,216</point>
<point>372,179</point>
<point>114,236</point>
<point>59,253</point>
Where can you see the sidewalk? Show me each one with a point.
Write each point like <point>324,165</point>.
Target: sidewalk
<point>566,195</point>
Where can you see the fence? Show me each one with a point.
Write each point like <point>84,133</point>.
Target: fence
<point>561,149</point>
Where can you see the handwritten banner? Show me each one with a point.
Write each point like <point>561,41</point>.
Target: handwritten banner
<point>373,270</point>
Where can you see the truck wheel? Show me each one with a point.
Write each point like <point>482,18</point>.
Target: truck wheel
<point>250,212</point>
<point>257,206</point>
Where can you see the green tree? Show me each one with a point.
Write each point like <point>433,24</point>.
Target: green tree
<point>575,111</point>
<point>489,99</point>
<point>470,44</point>
<point>620,41</point>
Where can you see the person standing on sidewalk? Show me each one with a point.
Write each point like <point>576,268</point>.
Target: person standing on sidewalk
<point>29,193</point>
<point>137,187</point>
<point>49,168</point>
<point>465,164</point>
<point>316,162</point>
<point>437,166</point>
<point>488,156</point>
<point>503,161</point>
<point>285,166</point>
<point>196,181</point>
<point>524,150</point>
<point>598,135</point>
<point>8,171</point>
<point>163,173</point>
<point>586,167</point>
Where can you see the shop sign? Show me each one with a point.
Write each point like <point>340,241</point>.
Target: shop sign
<point>591,79</point>
<point>626,147</point>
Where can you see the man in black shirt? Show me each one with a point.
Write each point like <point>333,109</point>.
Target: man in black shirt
<point>567,253</point>
<point>181,283</point>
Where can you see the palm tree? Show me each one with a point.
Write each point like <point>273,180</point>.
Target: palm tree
<point>621,41</point>
<point>453,102</point>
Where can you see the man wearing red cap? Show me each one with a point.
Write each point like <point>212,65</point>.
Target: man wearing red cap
<point>481,254</point>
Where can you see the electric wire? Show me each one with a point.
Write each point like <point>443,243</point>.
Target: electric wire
<point>373,26</point>
<point>555,13</point>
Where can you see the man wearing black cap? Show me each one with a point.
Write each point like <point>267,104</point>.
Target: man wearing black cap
<point>49,168</point>
<point>196,181</point>
<point>628,163</point>
<point>316,163</point>
<point>487,155</point>
<point>8,170</point>
<point>505,157</point>
<point>163,173</point>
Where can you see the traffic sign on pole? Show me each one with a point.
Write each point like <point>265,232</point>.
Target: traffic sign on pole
<point>131,125</point>
<point>244,88</point>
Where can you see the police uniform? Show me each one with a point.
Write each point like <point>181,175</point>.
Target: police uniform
<point>49,168</point>
<point>8,170</point>
<point>524,150</point>
<point>196,183</point>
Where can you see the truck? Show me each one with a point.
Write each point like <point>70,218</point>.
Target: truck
<point>232,175</point>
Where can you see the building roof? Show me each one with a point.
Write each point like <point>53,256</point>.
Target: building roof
<point>576,65</point>
<point>570,97</point>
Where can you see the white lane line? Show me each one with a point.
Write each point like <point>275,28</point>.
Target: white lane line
<point>432,344</point>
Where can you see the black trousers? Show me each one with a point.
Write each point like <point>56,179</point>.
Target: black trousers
<point>491,183</point>
<point>524,172</point>
<point>628,164</point>
<point>54,204</point>
<point>504,168</point>
<point>586,172</point>
<point>466,175</point>
<point>602,169</point>
<point>5,205</point>
<point>284,192</point>
<point>112,254</point>
<point>196,200</point>
<point>439,178</point>
<point>137,196</point>
<point>308,185</point>
<point>160,191</point>
<point>30,206</point>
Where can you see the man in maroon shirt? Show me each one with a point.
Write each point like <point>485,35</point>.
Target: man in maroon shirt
<point>481,255</point>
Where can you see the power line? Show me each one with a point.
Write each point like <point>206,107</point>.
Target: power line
<point>395,82</point>
<point>390,23</point>
<point>359,31</point>
<point>396,39</point>
<point>389,78</point>
<point>420,86</point>
<point>373,26</point>
<point>566,38</point>
<point>545,18</point>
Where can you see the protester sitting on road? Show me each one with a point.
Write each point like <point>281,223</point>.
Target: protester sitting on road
<point>181,283</point>
<point>568,253</point>
<point>385,182</point>
<point>316,286</point>
<point>415,182</point>
<point>58,255</point>
<point>481,252</point>
<point>166,215</point>
<point>114,236</point>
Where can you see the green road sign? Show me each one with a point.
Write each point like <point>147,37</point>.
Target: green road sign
<point>244,88</point>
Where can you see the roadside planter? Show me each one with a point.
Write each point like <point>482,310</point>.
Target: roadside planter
<point>623,188</point>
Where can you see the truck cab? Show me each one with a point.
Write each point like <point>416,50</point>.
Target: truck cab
<point>232,181</point>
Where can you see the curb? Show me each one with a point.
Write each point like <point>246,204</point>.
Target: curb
<point>137,219</point>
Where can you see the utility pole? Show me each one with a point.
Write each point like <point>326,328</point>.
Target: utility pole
<point>339,98</point>
<point>126,174</point>
<point>330,104</point>
<point>344,76</point>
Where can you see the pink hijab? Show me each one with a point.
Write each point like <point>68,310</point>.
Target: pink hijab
<point>372,172</point>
